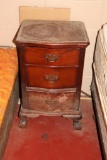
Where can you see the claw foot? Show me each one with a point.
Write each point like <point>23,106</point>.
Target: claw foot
<point>23,123</point>
<point>77,125</point>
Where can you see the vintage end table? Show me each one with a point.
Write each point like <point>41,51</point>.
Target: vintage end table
<point>51,59</point>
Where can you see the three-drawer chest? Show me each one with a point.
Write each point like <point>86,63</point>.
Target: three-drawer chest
<point>51,59</point>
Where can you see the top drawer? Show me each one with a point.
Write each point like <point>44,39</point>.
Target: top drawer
<point>55,57</point>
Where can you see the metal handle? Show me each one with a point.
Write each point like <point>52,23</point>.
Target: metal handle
<point>50,102</point>
<point>52,57</point>
<point>51,78</point>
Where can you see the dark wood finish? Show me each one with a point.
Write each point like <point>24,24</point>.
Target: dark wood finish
<point>51,58</point>
<point>49,77</point>
<point>43,56</point>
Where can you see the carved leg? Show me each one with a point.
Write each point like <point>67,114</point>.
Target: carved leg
<point>23,122</point>
<point>77,124</point>
<point>76,121</point>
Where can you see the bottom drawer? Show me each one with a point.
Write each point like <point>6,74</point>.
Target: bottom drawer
<point>54,102</point>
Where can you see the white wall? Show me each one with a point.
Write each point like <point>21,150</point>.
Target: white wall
<point>92,12</point>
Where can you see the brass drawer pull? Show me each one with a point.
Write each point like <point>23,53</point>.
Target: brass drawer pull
<point>51,102</point>
<point>52,57</point>
<point>51,78</point>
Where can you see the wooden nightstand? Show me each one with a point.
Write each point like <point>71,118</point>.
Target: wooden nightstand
<point>51,59</point>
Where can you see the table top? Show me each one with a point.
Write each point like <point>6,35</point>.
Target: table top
<point>52,32</point>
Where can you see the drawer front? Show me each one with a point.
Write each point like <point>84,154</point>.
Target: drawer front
<point>60,102</point>
<point>55,57</point>
<point>45,77</point>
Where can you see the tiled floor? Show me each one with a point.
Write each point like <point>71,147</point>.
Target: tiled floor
<point>53,138</point>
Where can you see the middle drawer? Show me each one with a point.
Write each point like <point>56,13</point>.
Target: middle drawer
<point>51,77</point>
